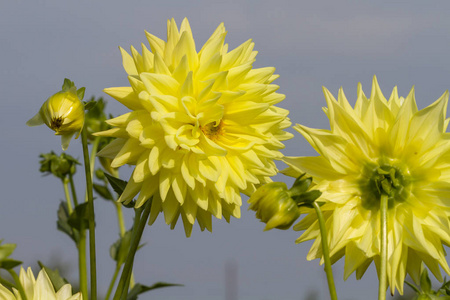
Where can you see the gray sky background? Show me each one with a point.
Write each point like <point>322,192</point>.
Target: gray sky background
<point>311,43</point>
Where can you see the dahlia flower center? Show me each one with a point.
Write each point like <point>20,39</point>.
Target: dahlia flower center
<point>384,180</point>
<point>212,130</point>
<point>56,123</point>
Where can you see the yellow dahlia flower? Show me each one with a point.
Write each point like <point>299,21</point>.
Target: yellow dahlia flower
<point>40,288</point>
<point>203,126</point>
<point>63,113</point>
<point>376,147</point>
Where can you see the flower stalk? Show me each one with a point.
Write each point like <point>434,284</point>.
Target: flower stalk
<point>89,187</point>
<point>383,241</point>
<point>326,252</point>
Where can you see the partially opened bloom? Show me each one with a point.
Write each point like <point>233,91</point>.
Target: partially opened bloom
<point>203,126</point>
<point>381,146</point>
<point>63,113</point>
<point>40,288</point>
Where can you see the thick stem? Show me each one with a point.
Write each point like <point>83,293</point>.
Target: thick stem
<point>87,169</point>
<point>82,269</point>
<point>383,251</point>
<point>66,193</point>
<point>138,229</point>
<point>18,284</point>
<point>326,252</point>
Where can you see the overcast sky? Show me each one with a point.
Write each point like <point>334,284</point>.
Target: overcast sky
<point>311,43</point>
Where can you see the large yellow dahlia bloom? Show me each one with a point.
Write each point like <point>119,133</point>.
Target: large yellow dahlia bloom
<point>40,288</point>
<point>202,128</point>
<point>375,147</point>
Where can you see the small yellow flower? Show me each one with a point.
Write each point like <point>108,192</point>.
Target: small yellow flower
<point>380,146</point>
<point>203,126</point>
<point>63,113</point>
<point>40,288</point>
<point>274,206</point>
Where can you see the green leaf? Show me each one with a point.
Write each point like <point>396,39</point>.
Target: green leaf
<point>140,289</point>
<point>117,184</point>
<point>9,263</point>
<point>57,280</point>
<point>63,223</point>
<point>119,250</point>
<point>80,93</point>
<point>103,192</point>
<point>79,217</point>
<point>89,105</point>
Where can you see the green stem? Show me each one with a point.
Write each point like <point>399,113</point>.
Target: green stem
<point>72,188</point>
<point>138,229</point>
<point>19,284</point>
<point>87,169</point>
<point>66,193</point>
<point>383,251</point>
<point>113,281</point>
<point>120,218</point>
<point>326,252</point>
<point>82,262</point>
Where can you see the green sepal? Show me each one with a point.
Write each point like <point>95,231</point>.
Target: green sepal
<point>79,218</point>
<point>80,93</point>
<point>90,105</point>
<point>6,250</point>
<point>119,250</point>
<point>308,198</point>
<point>63,223</point>
<point>9,263</point>
<point>300,186</point>
<point>425,282</point>
<point>67,85</point>
<point>140,289</point>
<point>103,191</point>
<point>57,280</point>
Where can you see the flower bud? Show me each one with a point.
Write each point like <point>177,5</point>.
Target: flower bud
<point>63,113</point>
<point>60,166</point>
<point>274,206</point>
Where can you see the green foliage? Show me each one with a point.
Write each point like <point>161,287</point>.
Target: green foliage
<point>140,289</point>
<point>118,186</point>
<point>426,292</point>
<point>68,84</point>
<point>59,166</point>
<point>300,194</point>
<point>5,251</point>
<point>119,250</point>
<point>103,192</point>
<point>63,223</point>
<point>79,218</point>
<point>57,280</point>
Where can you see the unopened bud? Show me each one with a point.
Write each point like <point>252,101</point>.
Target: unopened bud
<point>274,206</point>
<point>63,113</point>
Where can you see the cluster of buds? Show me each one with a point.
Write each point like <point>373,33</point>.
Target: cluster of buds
<point>60,166</point>
<point>278,206</point>
<point>63,113</point>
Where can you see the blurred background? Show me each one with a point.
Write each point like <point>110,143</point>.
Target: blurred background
<point>311,43</point>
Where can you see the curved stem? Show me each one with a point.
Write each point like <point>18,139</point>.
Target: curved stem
<point>326,252</point>
<point>138,229</point>
<point>87,169</point>
<point>383,251</point>
<point>66,193</point>
<point>19,284</point>
<point>7,283</point>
